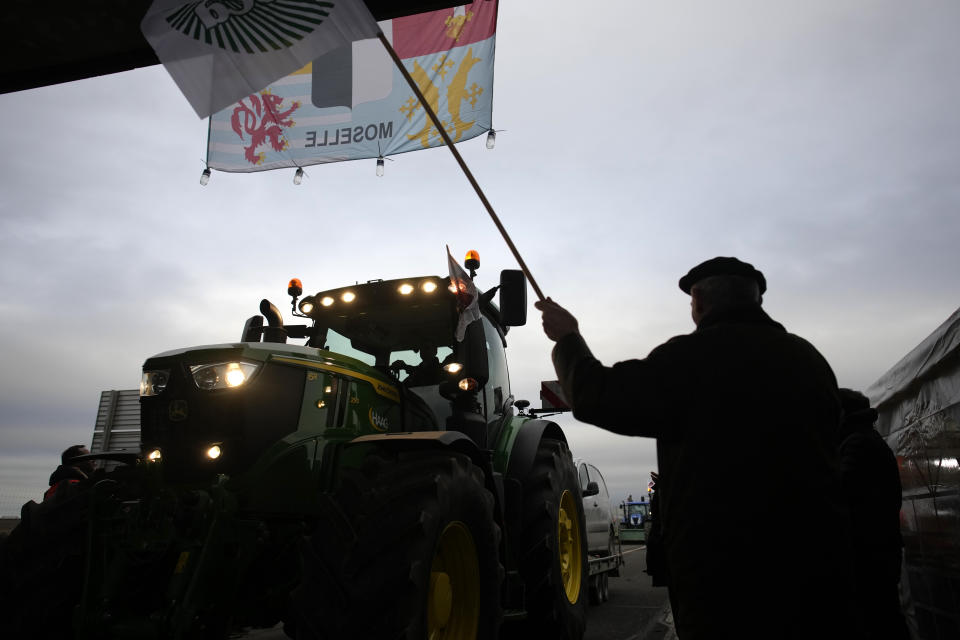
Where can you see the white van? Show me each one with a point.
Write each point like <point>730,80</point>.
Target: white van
<point>598,511</point>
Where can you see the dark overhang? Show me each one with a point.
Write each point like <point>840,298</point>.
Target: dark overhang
<point>58,42</point>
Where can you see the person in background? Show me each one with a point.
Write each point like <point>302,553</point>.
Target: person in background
<point>42,562</point>
<point>651,525</point>
<point>739,395</point>
<point>428,371</point>
<point>71,473</point>
<point>871,487</point>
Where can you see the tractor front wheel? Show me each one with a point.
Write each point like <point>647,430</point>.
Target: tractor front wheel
<point>413,553</point>
<point>553,560</point>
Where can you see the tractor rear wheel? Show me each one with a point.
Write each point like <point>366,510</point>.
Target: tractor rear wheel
<point>553,561</point>
<point>412,552</point>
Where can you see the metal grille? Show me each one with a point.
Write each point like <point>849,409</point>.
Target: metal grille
<point>118,423</point>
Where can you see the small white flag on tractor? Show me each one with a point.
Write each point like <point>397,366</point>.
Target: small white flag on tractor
<point>219,51</point>
<point>468,304</point>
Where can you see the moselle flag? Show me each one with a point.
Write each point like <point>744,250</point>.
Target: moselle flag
<point>219,51</point>
<point>353,102</point>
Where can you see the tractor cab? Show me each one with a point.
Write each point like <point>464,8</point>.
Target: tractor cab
<point>402,328</point>
<point>405,329</point>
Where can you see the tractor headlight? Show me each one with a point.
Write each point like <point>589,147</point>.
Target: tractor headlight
<point>153,383</point>
<point>154,456</point>
<point>223,375</point>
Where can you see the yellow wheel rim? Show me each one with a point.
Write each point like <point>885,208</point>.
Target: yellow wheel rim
<point>568,538</point>
<point>453,600</point>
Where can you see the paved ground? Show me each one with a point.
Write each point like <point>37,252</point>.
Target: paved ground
<point>636,610</point>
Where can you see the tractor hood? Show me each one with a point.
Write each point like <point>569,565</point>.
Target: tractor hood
<point>217,409</point>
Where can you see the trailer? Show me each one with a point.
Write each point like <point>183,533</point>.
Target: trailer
<point>600,572</point>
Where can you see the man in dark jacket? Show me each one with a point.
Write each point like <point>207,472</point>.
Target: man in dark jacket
<point>737,400</point>
<point>871,486</point>
<point>42,562</point>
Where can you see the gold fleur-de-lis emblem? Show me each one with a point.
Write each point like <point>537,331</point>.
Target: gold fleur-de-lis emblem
<point>456,92</point>
<point>455,24</point>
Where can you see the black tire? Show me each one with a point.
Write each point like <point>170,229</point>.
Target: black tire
<point>556,588</point>
<point>605,587</point>
<point>595,590</point>
<point>393,560</point>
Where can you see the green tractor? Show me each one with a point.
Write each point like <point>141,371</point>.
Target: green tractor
<point>378,481</point>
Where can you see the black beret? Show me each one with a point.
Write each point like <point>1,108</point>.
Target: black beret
<point>721,267</point>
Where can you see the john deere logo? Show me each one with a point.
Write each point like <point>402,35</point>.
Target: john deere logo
<point>249,25</point>
<point>177,411</point>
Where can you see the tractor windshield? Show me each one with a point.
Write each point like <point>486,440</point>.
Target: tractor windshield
<point>403,326</point>
<point>420,358</point>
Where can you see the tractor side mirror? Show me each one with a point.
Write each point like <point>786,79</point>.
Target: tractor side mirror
<point>513,298</point>
<point>592,489</point>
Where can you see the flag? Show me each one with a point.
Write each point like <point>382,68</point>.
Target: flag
<point>552,397</point>
<point>219,51</point>
<point>468,304</point>
<point>352,102</point>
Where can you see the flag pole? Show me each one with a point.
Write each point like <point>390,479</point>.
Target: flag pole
<point>459,159</point>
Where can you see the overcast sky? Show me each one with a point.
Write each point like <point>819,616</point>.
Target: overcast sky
<point>819,140</point>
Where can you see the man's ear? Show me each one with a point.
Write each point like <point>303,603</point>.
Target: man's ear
<point>696,308</point>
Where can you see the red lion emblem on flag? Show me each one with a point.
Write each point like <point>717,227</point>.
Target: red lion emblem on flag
<point>263,122</point>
